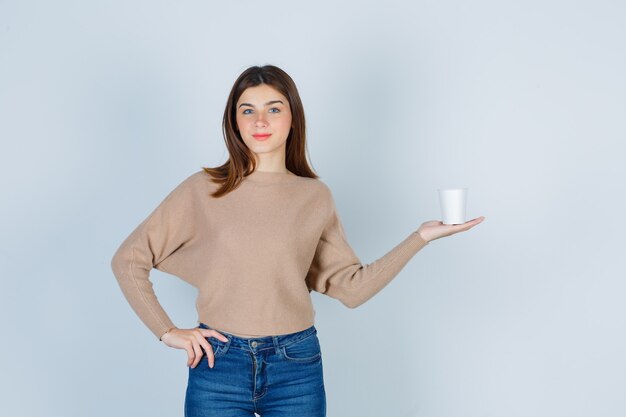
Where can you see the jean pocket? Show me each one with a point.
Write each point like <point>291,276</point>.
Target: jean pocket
<point>304,350</point>
<point>219,347</point>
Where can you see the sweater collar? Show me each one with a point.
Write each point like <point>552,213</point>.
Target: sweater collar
<point>270,177</point>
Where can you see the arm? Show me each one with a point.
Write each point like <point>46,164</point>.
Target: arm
<point>337,271</point>
<point>161,234</point>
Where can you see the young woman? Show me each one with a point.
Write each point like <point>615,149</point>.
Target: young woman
<point>255,236</point>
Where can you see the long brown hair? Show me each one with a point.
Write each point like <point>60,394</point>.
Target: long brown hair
<point>241,161</point>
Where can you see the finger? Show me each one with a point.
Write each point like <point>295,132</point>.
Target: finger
<point>476,221</point>
<point>208,349</point>
<point>210,356</point>
<point>463,227</point>
<point>190,355</point>
<point>198,352</point>
<point>469,223</point>
<point>221,336</point>
<point>214,333</point>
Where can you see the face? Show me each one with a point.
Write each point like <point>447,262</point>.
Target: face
<point>262,110</point>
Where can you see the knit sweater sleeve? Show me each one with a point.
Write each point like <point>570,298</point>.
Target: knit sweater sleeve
<point>337,271</point>
<point>167,229</point>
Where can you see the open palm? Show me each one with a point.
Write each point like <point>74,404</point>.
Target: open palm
<point>434,229</point>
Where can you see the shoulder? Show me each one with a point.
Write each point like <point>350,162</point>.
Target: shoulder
<point>323,196</point>
<point>199,176</point>
<point>197,180</point>
<point>324,189</point>
<point>190,185</point>
<point>316,187</point>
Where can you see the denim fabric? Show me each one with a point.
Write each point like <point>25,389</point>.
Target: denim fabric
<point>273,376</point>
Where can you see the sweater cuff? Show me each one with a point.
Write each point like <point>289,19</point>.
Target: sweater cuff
<point>167,331</point>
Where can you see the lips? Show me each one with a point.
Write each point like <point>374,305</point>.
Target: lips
<point>262,136</point>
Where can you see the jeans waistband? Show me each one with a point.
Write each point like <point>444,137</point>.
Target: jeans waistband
<point>264,342</point>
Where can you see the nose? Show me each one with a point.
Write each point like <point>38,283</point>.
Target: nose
<point>260,120</point>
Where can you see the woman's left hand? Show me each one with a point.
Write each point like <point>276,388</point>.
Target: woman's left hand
<point>434,229</point>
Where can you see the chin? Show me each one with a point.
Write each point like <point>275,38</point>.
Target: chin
<point>266,146</point>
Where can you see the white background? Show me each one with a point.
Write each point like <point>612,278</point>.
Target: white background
<point>106,106</point>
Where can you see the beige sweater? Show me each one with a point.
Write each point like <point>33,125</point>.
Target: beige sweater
<point>254,255</point>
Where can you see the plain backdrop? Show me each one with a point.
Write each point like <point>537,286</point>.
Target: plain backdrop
<point>106,106</point>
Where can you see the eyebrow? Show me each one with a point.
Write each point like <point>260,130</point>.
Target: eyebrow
<point>267,104</point>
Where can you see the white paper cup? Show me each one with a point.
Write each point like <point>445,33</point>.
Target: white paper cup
<point>453,203</point>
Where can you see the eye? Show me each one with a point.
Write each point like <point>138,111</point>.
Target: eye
<point>277,109</point>
<point>244,112</point>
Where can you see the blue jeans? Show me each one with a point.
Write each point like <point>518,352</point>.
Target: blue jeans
<point>273,376</point>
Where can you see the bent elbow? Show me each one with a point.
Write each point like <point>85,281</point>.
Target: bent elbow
<point>352,303</point>
<point>114,264</point>
<point>120,262</point>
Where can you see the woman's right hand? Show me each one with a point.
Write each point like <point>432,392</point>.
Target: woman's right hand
<point>193,340</point>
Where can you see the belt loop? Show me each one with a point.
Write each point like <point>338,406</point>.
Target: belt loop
<point>276,348</point>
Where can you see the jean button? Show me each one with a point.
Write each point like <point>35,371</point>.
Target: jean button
<point>254,344</point>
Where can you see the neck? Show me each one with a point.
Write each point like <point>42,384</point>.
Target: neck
<point>270,176</point>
